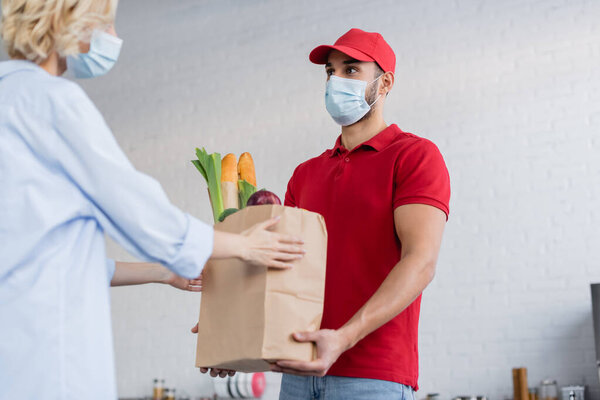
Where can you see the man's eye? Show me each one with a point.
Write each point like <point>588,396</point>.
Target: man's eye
<point>329,72</point>
<point>351,70</point>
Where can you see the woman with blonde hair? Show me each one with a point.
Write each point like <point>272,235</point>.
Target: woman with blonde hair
<point>65,182</point>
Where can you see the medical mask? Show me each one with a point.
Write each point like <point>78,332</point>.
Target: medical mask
<point>103,54</point>
<point>345,99</point>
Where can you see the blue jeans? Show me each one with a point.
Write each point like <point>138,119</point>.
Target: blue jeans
<point>341,388</point>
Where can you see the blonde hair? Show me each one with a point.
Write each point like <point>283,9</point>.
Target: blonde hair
<point>34,29</point>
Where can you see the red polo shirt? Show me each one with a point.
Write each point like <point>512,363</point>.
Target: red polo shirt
<point>356,192</point>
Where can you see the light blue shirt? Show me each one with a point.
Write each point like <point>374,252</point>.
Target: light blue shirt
<point>64,182</point>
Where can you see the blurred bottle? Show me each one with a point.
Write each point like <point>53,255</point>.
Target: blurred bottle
<point>158,390</point>
<point>548,390</point>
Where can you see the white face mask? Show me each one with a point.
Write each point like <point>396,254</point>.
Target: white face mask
<point>345,99</point>
<point>104,52</point>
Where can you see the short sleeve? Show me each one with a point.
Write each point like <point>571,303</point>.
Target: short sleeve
<point>290,199</point>
<point>421,177</point>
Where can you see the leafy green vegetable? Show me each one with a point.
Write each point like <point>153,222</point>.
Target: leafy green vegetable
<point>209,166</point>
<point>200,168</point>
<point>245,191</point>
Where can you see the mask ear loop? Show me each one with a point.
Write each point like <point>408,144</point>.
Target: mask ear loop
<point>371,105</point>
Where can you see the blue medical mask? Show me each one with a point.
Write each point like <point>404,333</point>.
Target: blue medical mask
<point>103,54</point>
<point>345,99</point>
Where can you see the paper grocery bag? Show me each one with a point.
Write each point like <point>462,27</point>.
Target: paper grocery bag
<point>248,313</point>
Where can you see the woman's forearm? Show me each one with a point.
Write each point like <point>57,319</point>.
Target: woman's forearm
<point>227,245</point>
<point>137,273</point>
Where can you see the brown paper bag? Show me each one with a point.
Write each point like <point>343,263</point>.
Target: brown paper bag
<point>248,313</point>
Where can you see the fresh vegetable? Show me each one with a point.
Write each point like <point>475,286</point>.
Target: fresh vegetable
<point>263,197</point>
<point>209,166</point>
<point>246,170</point>
<point>231,183</point>
<point>246,190</point>
<point>227,213</point>
<point>229,169</point>
<point>229,178</point>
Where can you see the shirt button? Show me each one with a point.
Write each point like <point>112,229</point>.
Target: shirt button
<point>347,159</point>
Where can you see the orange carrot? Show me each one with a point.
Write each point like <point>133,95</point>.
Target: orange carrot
<point>246,169</point>
<point>229,169</point>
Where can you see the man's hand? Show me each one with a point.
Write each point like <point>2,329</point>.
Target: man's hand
<point>192,285</point>
<point>214,372</point>
<point>330,345</point>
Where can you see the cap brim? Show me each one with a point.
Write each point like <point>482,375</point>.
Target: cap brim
<point>320,54</point>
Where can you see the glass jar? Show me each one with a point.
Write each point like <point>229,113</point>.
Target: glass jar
<point>548,390</point>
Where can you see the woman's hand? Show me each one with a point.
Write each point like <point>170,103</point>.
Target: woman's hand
<point>192,285</point>
<point>263,247</point>
<point>260,246</point>
<point>137,273</point>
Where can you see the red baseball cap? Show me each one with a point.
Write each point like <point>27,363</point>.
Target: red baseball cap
<point>360,45</point>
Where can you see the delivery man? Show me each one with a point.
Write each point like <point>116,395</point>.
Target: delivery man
<point>384,194</point>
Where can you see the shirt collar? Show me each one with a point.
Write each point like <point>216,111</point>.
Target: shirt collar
<point>377,142</point>
<point>338,148</point>
<point>8,67</point>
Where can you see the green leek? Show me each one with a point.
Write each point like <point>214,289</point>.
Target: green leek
<point>209,166</point>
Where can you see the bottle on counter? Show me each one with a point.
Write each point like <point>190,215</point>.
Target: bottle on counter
<point>548,390</point>
<point>158,389</point>
<point>533,394</point>
<point>170,394</point>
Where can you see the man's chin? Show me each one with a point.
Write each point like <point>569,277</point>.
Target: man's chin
<point>366,117</point>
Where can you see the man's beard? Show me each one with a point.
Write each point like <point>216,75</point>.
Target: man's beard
<point>370,97</point>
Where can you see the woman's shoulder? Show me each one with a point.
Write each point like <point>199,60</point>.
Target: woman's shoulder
<point>60,91</point>
<point>53,98</point>
<point>25,85</point>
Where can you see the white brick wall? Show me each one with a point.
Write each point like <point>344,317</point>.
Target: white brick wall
<point>510,92</point>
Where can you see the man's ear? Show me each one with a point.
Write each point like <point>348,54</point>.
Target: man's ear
<point>387,82</point>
